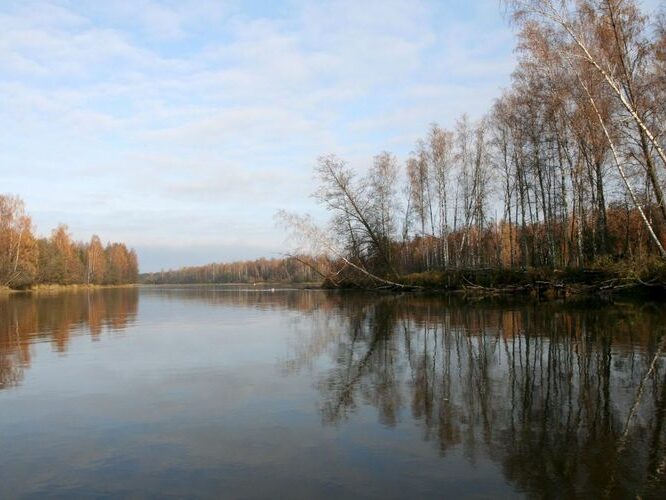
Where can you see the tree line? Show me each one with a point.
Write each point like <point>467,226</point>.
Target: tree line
<point>565,170</point>
<point>278,270</point>
<point>27,260</point>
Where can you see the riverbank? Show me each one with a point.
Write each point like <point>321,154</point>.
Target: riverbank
<point>51,288</point>
<point>605,278</point>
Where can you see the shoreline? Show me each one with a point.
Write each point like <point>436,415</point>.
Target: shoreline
<point>536,282</point>
<point>546,292</point>
<point>48,288</point>
<point>299,284</point>
<point>454,282</point>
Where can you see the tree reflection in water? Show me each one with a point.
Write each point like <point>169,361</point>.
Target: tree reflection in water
<point>570,399</point>
<point>55,317</point>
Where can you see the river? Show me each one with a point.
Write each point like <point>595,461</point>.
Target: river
<point>243,392</point>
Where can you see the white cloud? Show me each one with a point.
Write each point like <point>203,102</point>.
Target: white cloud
<point>196,107</point>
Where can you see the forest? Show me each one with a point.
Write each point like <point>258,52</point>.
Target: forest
<point>284,270</point>
<point>565,171</point>
<point>27,260</point>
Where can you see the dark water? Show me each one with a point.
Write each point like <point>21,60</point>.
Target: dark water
<point>250,394</point>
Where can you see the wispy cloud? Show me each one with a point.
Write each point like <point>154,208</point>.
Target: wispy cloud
<point>118,116</point>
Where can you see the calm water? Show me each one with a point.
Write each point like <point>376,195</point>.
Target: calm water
<point>199,392</point>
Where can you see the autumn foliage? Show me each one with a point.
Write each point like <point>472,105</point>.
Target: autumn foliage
<point>565,171</point>
<point>286,270</point>
<point>26,260</point>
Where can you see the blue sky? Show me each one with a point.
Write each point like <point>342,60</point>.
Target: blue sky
<point>180,127</point>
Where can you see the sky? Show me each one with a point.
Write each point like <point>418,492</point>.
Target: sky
<point>180,127</point>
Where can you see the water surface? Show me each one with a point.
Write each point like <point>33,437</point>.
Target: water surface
<point>247,393</point>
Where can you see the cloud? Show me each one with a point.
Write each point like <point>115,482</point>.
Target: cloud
<point>239,125</point>
<point>182,116</point>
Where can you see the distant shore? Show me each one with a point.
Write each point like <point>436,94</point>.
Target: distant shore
<point>540,283</point>
<point>257,284</point>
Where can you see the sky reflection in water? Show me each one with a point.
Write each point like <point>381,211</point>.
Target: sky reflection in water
<point>208,393</point>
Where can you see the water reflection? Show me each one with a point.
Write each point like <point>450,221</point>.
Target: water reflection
<point>562,399</point>
<point>267,299</point>
<point>570,400</point>
<point>55,317</point>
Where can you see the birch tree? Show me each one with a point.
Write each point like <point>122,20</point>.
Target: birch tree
<point>18,250</point>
